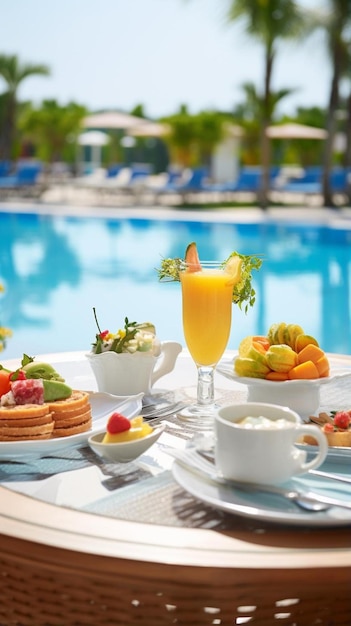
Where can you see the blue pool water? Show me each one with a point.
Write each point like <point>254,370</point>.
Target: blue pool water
<point>56,269</point>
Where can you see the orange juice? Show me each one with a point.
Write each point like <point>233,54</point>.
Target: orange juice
<point>207,310</point>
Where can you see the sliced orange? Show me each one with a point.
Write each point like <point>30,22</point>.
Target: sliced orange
<point>233,269</point>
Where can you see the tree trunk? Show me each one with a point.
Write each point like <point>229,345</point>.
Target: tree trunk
<point>348,146</point>
<point>265,141</point>
<point>8,130</point>
<point>329,142</point>
<point>348,133</point>
<point>4,130</point>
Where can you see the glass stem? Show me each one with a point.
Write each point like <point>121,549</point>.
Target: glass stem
<point>205,385</point>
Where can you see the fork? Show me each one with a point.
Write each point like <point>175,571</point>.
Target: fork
<point>163,410</point>
<point>308,500</point>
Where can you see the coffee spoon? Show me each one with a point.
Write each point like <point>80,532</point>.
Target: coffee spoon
<point>306,500</point>
<point>209,456</point>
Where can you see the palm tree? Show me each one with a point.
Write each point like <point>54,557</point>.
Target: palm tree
<point>210,131</point>
<point>192,138</point>
<point>269,22</point>
<point>14,73</point>
<point>52,127</point>
<point>337,25</point>
<point>182,137</point>
<point>249,113</point>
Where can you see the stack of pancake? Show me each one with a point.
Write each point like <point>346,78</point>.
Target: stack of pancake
<point>61,418</point>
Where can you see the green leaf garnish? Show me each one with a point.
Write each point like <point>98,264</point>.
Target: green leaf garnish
<point>243,292</point>
<point>120,344</point>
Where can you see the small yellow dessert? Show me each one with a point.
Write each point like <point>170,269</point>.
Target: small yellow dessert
<point>120,429</point>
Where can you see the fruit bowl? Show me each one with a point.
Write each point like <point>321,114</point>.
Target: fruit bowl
<point>302,396</point>
<point>126,451</point>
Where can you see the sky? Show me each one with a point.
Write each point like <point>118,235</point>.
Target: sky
<point>116,54</point>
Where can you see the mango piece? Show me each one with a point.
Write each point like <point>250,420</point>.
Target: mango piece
<point>278,376</point>
<point>305,371</point>
<point>322,366</point>
<point>252,368</point>
<point>303,340</point>
<point>138,430</point>
<point>281,358</point>
<point>311,352</point>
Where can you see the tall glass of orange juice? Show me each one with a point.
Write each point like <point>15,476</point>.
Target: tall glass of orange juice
<point>207,309</point>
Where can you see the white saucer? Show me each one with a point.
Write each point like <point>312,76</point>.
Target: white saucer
<point>263,506</point>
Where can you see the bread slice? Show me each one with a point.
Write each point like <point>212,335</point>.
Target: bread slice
<point>60,418</point>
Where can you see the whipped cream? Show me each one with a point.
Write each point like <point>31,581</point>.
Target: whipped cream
<point>264,423</point>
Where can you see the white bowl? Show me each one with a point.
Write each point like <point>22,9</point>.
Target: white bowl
<point>302,396</point>
<point>125,451</point>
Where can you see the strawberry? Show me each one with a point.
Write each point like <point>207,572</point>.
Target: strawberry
<point>342,419</point>
<point>328,428</point>
<point>17,375</point>
<point>117,423</point>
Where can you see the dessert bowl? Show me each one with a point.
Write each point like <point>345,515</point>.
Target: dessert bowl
<point>128,374</point>
<point>302,396</point>
<point>124,451</point>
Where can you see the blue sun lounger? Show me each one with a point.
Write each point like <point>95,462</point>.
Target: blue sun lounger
<point>26,176</point>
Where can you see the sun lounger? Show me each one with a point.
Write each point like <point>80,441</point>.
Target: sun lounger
<point>309,183</point>
<point>312,181</point>
<point>248,180</point>
<point>191,181</point>
<point>24,181</point>
<point>340,180</point>
<point>5,168</point>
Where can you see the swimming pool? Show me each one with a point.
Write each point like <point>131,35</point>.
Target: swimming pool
<point>57,268</point>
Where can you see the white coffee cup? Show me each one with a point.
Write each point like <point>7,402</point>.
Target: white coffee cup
<point>261,454</point>
<point>127,374</point>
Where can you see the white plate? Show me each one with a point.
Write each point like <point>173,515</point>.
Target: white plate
<point>339,454</point>
<point>102,405</point>
<point>302,396</point>
<point>260,506</point>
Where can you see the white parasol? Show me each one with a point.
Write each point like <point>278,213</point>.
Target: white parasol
<point>295,131</point>
<point>149,129</point>
<point>112,119</point>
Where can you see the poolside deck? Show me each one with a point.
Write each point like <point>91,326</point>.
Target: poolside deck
<point>66,200</point>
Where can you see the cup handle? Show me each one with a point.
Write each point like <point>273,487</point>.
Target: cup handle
<point>166,362</point>
<point>322,441</point>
